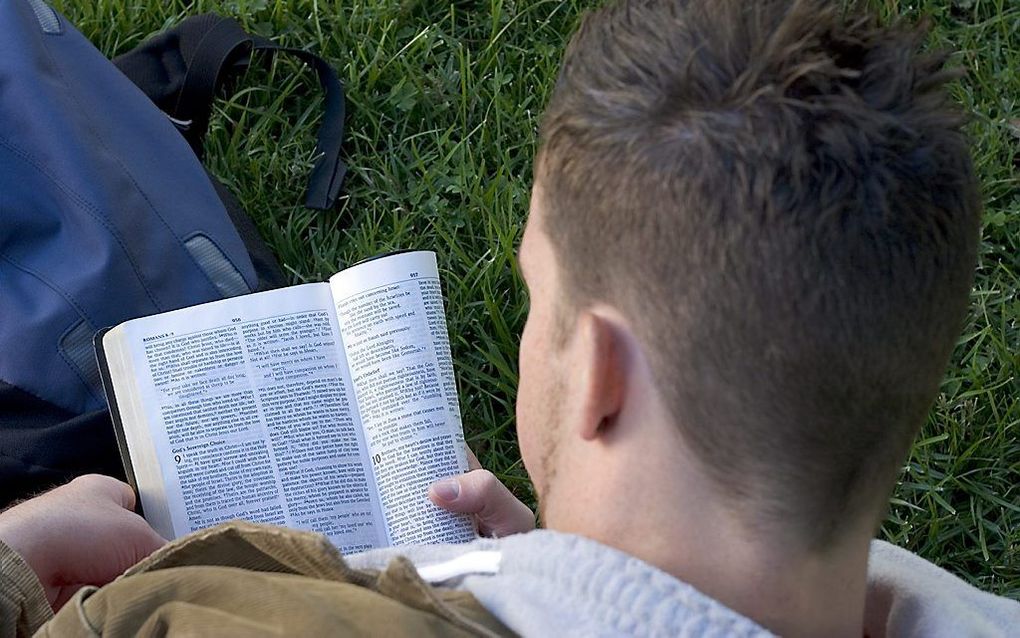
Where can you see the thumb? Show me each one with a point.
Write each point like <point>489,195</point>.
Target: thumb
<point>481,494</point>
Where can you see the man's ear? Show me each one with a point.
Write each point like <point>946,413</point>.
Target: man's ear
<point>601,367</point>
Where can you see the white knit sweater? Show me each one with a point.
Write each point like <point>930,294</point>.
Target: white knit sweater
<point>545,583</point>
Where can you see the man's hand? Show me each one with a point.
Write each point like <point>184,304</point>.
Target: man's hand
<point>479,493</point>
<point>82,533</point>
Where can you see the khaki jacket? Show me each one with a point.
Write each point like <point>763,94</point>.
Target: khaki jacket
<point>242,579</point>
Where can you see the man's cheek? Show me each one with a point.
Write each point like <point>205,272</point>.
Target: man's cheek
<point>534,374</point>
<point>526,416</point>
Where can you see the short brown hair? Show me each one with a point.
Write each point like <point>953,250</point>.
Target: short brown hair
<point>779,196</point>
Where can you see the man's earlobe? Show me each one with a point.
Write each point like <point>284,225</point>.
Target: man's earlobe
<point>603,374</point>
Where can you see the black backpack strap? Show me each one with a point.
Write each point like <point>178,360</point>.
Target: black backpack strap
<point>328,173</point>
<point>183,69</point>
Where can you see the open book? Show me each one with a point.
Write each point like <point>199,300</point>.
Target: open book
<point>329,407</point>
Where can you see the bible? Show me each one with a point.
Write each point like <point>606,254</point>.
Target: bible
<point>327,406</point>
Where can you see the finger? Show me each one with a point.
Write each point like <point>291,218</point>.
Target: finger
<point>139,535</point>
<point>121,544</point>
<point>127,496</point>
<point>148,539</point>
<point>480,493</point>
<point>107,487</point>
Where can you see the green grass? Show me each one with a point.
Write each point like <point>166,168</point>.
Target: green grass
<point>443,101</point>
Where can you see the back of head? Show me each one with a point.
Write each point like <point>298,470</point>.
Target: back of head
<point>780,198</point>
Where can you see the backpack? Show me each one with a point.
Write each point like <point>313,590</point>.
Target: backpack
<point>107,214</point>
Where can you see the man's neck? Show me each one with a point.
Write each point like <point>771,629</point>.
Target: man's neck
<point>790,593</point>
<point>670,518</point>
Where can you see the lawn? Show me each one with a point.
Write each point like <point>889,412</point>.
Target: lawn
<point>443,105</point>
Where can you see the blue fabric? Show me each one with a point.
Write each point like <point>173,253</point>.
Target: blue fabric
<point>98,192</point>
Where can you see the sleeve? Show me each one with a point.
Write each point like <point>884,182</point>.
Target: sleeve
<point>23,604</point>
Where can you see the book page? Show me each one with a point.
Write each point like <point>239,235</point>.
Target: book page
<point>394,332</point>
<point>251,413</point>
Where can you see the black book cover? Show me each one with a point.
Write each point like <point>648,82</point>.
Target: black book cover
<point>118,423</point>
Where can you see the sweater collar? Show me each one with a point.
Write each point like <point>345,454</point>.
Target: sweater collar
<point>548,579</point>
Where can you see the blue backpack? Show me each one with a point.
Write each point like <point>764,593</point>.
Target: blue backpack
<point>107,213</point>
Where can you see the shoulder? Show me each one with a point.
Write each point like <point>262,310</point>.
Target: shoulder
<point>908,595</point>
<point>239,577</point>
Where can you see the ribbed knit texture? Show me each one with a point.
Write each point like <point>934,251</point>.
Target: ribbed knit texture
<point>570,586</point>
<point>23,605</point>
<point>554,584</point>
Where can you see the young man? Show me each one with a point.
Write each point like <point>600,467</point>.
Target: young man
<point>750,246</point>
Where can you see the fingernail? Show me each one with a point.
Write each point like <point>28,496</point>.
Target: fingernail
<point>447,489</point>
